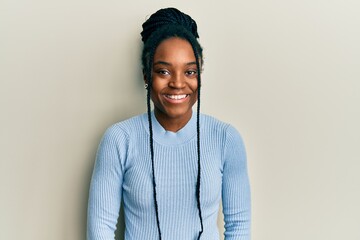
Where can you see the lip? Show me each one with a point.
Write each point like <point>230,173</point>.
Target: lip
<point>176,98</point>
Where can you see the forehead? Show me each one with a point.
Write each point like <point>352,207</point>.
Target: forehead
<point>174,50</point>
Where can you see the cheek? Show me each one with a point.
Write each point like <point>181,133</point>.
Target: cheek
<point>157,86</point>
<point>194,88</point>
<point>155,92</point>
<point>195,96</point>
<point>154,95</point>
<point>193,84</point>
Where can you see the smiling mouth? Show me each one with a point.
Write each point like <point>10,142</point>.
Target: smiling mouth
<point>176,97</point>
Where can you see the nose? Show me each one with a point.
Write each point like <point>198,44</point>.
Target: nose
<point>177,81</point>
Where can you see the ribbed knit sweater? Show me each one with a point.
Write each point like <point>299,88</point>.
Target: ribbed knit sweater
<point>123,172</point>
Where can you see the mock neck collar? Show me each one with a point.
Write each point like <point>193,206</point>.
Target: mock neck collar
<point>165,137</point>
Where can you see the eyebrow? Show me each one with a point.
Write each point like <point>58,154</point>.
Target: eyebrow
<point>169,64</point>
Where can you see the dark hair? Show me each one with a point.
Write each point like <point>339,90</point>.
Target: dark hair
<point>164,24</point>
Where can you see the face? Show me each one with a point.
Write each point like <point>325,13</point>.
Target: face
<point>174,87</point>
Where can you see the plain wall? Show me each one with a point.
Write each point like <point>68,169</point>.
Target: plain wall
<point>285,73</point>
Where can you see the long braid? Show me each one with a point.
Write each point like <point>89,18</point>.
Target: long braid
<point>198,180</point>
<point>149,77</point>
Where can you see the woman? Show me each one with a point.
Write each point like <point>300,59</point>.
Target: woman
<point>170,166</point>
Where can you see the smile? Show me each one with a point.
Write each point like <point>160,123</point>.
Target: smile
<point>176,97</point>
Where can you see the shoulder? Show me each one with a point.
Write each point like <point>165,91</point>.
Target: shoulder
<point>123,129</point>
<point>217,129</point>
<point>211,123</point>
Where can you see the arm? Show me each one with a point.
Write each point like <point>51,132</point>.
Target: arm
<point>235,188</point>
<point>105,188</point>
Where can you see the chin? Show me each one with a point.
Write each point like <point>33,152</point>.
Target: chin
<point>177,113</point>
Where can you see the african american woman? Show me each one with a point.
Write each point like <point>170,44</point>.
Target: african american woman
<point>171,166</point>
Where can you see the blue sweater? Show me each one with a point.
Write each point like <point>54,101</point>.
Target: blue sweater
<point>123,172</point>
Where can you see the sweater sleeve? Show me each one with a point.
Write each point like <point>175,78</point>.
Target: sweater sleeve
<point>105,187</point>
<point>235,188</point>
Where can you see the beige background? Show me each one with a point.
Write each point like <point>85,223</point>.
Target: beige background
<point>285,73</point>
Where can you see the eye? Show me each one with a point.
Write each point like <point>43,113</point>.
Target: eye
<point>163,72</point>
<point>191,73</point>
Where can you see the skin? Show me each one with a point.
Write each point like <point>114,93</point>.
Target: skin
<point>174,88</point>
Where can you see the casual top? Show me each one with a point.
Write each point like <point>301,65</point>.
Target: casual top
<point>123,172</point>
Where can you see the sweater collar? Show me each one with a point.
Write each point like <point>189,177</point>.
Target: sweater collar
<point>164,137</point>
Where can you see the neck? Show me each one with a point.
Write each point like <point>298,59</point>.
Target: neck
<point>172,124</point>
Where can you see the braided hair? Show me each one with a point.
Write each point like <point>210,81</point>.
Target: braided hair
<point>164,24</point>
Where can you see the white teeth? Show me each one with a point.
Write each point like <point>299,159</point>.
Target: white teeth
<point>176,97</point>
